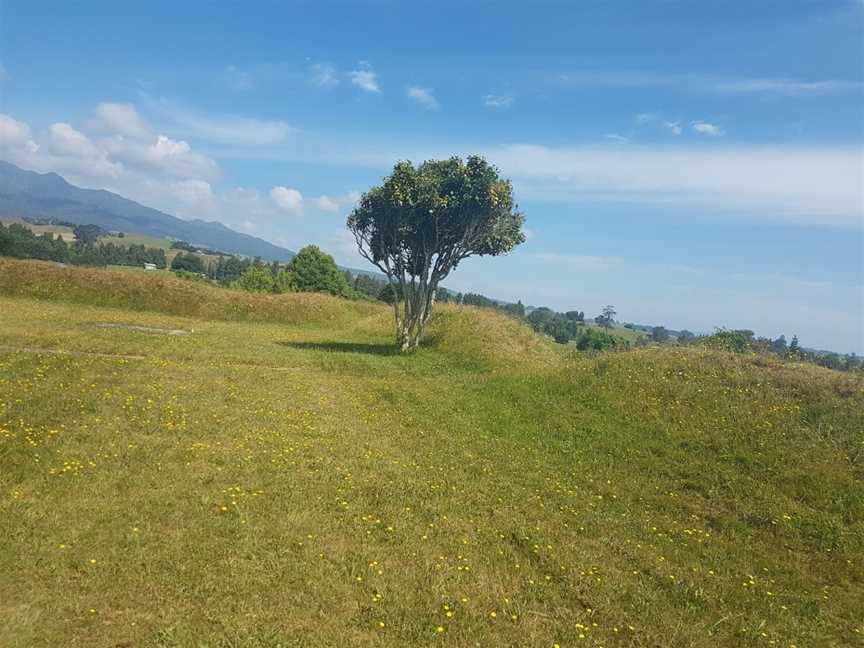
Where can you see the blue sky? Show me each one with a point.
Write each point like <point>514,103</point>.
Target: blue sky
<point>696,164</point>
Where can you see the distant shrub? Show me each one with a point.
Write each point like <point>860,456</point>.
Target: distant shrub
<point>316,271</point>
<point>189,262</point>
<point>190,276</point>
<point>737,341</point>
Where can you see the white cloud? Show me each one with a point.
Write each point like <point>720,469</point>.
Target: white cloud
<point>365,78</point>
<point>497,101</point>
<point>707,83</point>
<point>342,246</point>
<point>615,137</point>
<point>333,204</point>
<point>704,128</point>
<point>238,79</point>
<point>66,142</point>
<point>173,157</point>
<point>813,185</point>
<point>13,132</point>
<point>324,75</point>
<point>325,203</point>
<point>790,87</point>
<point>225,129</point>
<point>287,199</point>
<point>195,193</point>
<point>673,127</point>
<point>122,119</point>
<point>424,96</point>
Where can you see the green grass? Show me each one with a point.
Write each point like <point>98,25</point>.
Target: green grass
<point>57,230</point>
<point>284,479</point>
<point>130,238</point>
<point>631,335</point>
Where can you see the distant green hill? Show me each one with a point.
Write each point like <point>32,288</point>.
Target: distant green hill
<point>47,195</point>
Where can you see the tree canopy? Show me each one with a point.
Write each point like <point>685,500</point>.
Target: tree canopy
<point>315,271</point>
<point>423,220</point>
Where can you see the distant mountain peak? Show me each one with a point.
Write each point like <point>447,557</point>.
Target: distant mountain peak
<point>49,195</point>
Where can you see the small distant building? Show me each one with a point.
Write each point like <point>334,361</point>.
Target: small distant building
<point>149,266</point>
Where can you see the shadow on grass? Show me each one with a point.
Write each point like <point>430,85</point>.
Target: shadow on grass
<point>343,347</point>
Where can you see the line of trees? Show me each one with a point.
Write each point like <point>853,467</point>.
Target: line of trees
<point>19,241</point>
<point>311,270</point>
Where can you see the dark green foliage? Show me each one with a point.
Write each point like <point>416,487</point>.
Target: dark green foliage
<point>366,285</point>
<point>593,339</point>
<point>102,254</point>
<point>188,247</point>
<point>19,241</point>
<point>316,271</point>
<point>659,334</point>
<point>228,269</point>
<point>255,279</point>
<point>188,262</point>
<point>87,233</point>
<point>388,293</point>
<point>556,325</point>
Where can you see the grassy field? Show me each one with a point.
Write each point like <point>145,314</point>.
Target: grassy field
<point>57,230</point>
<point>278,477</point>
<point>138,239</point>
<point>631,335</point>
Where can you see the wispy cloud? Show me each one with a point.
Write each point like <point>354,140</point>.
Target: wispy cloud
<point>789,87</point>
<point>225,129</point>
<point>324,75</point>
<point>706,128</point>
<point>497,101</point>
<point>807,185</point>
<point>709,83</point>
<point>615,137</point>
<point>673,127</point>
<point>365,78</point>
<point>424,96</point>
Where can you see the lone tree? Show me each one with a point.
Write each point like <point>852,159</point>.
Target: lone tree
<point>423,220</point>
<point>607,318</point>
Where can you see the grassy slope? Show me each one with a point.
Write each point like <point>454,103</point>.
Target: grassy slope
<point>138,239</point>
<point>291,482</point>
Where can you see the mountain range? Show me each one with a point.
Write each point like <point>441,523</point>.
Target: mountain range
<point>47,195</point>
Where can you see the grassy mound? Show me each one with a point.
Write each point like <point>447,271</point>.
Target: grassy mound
<point>281,484</point>
<point>166,294</point>
<point>486,336</point>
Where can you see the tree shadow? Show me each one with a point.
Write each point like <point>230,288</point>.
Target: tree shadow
<point>343,347</point>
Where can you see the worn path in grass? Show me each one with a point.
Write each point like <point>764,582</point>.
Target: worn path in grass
<point>264,484</point>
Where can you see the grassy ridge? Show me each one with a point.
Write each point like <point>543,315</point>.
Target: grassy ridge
<point>294,483</point>
<point>164,293</point>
